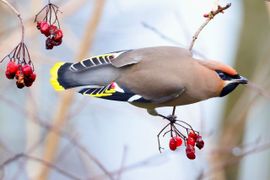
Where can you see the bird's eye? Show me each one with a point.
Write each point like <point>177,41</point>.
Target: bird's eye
<point>222,75</point>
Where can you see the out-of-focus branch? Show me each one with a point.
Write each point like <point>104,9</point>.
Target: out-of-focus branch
<point>236,158</point>
<point>124,156</point>
<point>60,118</point>
<point>210,16</point>
<point>43,162</point>
<point>160,34</point>
<point>57,131</point>
<point>155,160</point>
<point>17,14</point>
<point>259,90</point>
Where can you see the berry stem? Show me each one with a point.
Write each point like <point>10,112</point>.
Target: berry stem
<point>18,15</point>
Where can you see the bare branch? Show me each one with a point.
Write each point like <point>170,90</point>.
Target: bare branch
<point>210,16</point>
<point>45,163</point>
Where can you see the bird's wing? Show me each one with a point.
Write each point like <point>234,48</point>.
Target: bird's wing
<point>142,75</point>
<point>113,58</point>
<point>114,92</point>
<point>98,70</point>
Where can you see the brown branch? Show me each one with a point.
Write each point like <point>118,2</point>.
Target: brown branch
<point>66,100</point>
<point>43,162</point>
<point>58,132</point>
<point>258,89</point>
<point>211,15</point>
<point>236,159</point>
<point>154,160</point>
<point>124,156</point>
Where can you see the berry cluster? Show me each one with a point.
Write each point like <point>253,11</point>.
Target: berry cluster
<point>186,135</point>
<point>190,142</point>
<point>50,26</point>
<point>175,142</point>
<point>20,66</point>
<point>23,73</point>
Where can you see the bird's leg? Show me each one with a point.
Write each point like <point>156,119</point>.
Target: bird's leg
<point>171,118</point>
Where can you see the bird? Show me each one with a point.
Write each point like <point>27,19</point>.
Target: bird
<point>149,78</point>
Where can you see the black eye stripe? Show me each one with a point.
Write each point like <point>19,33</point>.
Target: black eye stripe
<point>226,76</point>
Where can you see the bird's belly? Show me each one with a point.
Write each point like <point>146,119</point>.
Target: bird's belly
<point>181,100</point>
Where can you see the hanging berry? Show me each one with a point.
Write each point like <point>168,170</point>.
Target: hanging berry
<point>181,131</point>
<point>20,66</point>
<point>49,25</point>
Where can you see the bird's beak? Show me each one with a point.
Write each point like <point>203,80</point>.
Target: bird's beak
<point>242,80</point>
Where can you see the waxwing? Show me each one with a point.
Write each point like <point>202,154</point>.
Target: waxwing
<point>148,77</point>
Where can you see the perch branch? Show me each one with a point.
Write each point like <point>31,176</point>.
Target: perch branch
<point>211,15</point>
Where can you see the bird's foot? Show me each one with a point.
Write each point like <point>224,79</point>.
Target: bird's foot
<point>171,118</point>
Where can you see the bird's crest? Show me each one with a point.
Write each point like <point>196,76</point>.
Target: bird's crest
<point>215,65</point>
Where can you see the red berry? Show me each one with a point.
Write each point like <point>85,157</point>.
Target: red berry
<point>193,135</point>
<point>27,70</point>
<point>178,141</point>
<point>191,141</point>
<point>49,43</point>
<point>52,29</point>
<point>57,43</point>
<point>38,25</point>
<point>32,77</point>
<point>19,85</point>
<point>172,144</point>
<point>12,67</point>
<point>9,75</point>
<point>190,152</point>
<point>58,35</point>
<point>18,74</point>
<point>191,155</point>
<point>45,28</point>
<point>28,83</point>
<point>199,142</point>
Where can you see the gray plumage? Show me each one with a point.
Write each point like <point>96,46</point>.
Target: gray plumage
<point>163,76</point>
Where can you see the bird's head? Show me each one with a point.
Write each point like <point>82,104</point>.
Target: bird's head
<point>231,81</point>
<point>229,77</point>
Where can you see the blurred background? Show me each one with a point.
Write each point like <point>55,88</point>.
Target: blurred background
<point>50,135</point>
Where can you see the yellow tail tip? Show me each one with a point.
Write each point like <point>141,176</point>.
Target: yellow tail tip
<point>54,77</point>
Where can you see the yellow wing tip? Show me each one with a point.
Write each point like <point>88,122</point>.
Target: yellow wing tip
<point>54,77</point>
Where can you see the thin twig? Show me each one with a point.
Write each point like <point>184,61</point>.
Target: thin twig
<point>124,156</point>
<point>57,131</point>
<point>18,15</point>
<point>258,89</point>
<point>160,34</point>
<point>236,159</point>
<point>211,15</point>
<point>43,162</point>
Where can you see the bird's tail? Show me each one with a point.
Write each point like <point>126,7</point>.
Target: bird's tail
<point>58,79</point>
